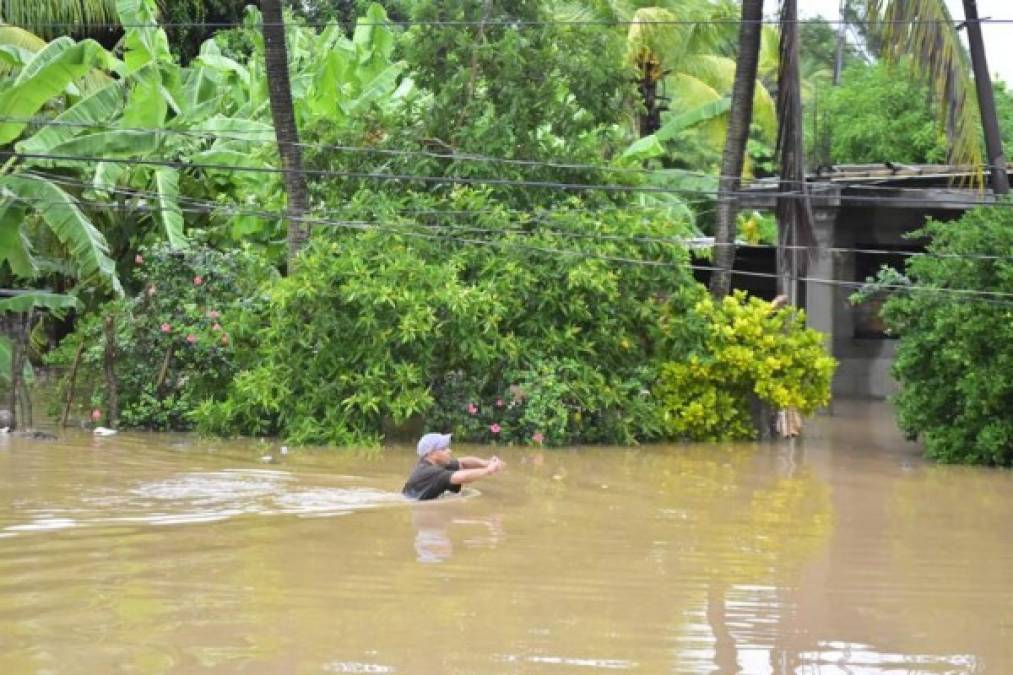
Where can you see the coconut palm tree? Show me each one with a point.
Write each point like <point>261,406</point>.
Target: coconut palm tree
<point>922,34</point>
<point>280,95</point>
<point>732,158</point>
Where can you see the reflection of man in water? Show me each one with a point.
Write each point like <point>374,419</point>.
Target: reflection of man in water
<point>432,524</point>
<point>437,471</point>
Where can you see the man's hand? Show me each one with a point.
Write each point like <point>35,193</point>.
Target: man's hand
<point>495,464</point>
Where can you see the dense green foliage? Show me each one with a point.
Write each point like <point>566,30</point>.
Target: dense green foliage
<point>746,352</point>
<point>477,262</point>
<point>377,327</point>
<point>179,339</point>
<point>881,113</point>
<point>955,357</point>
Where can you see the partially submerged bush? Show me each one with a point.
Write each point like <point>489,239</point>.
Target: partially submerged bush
<point>179,340</point>
<point>955,354</point>
<point>747,350</point>
<point>377,327</point>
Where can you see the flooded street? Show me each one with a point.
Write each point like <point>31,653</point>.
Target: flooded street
<point>842,553</point>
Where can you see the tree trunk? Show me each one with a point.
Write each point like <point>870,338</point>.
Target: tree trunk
<point>986,101</point>
<point>794,217</point>
<point>112,395</point>
<point>280,94</point>
<point>733,157</point>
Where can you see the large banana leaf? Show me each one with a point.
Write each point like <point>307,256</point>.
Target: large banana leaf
<point>111,144</point>
<point>147,106</point>
<point>167,186</point>
<point>14,247</point>
<point>23,302</point>
<point>85,244</point>
<point>651,145</point>
<point>144,43</point>
<point>97,109</point>
<point>45,76</point>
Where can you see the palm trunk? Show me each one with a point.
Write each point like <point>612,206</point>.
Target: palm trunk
<point>794,217</point>
<point>733,157</point>
<point>280,94</point>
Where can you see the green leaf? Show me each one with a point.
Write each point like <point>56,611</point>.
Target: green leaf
<point>644,148</point>
<point>167,185</point>
<point>98,109</point>
<point>703,113</point>
<point>146,106</point>
<point>46,76</point>
<point>107,176</point>
<point>14,247</point>
<point>35,299</point>
<point>110,144</point>
<point>87,247</point>
<point>144,42</point>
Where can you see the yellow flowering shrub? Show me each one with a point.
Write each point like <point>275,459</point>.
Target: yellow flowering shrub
<point>749,349</point>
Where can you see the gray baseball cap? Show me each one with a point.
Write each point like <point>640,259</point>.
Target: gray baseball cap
<point>432,443</point>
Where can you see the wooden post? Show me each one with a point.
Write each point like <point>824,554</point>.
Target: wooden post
<point>112,400</point>
<point>71,381</point>
<point>986,100</point>
<point>14,322</point>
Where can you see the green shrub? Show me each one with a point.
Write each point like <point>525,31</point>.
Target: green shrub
<point>955,355</point>
<point>746,349</point>
<point>179,340</point>
<point>418,320</point>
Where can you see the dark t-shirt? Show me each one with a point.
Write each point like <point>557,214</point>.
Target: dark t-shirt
<point>429,481</point>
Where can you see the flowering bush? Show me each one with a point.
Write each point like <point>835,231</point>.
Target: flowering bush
<point>746,350</point>
<point>176,338</point>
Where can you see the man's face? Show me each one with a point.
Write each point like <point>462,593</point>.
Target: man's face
<point>441,457</point>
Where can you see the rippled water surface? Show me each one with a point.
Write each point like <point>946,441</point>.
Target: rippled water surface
<point>842,553</point>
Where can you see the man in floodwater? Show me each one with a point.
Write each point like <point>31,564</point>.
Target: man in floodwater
<point>438,472</point>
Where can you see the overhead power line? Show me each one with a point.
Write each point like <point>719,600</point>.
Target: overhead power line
<point>503,182</point>
<point>399,229</point>
<point>542,216</point>
<point>450,156</point>
<point>508,23</point>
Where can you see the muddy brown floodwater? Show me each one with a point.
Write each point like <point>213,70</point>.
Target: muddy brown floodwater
<point>841,553</point>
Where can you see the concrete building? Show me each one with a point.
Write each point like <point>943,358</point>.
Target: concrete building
<point>863,219</point>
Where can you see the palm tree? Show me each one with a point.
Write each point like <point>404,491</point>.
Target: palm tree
<point>732,158</point>
<point>922,33</point>
<point>280,94</point>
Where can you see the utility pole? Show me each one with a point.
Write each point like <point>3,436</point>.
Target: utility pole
<point>986,100</point>
<point>842,30</point>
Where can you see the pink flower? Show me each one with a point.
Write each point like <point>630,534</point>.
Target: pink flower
<point>495,428</point>
<point>138,259</point>
<point>216,327</point>
<point>96,415</point>
<point>166,328</point>
<point>213,314</point>
<point>191,338</point>
<point>472,409</point>
<point>225,339</point>
<point>499,403</point>
<point>537,437</point>
<point>198,280</point>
